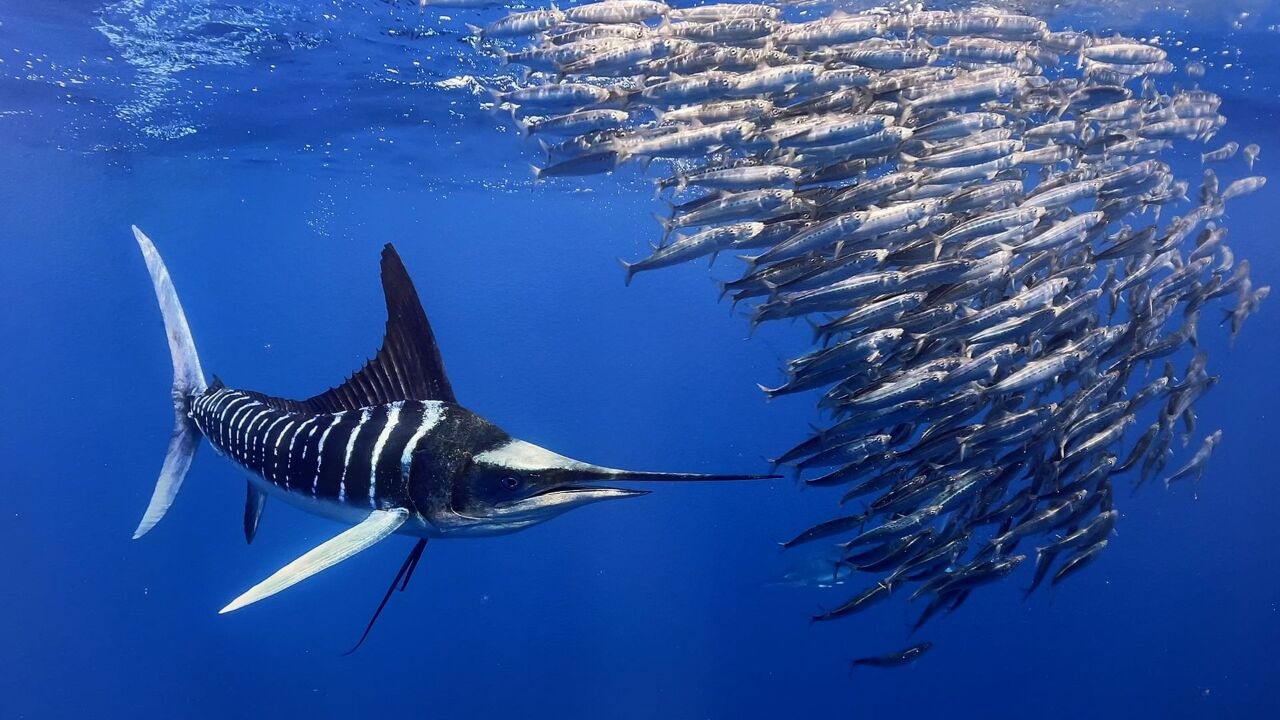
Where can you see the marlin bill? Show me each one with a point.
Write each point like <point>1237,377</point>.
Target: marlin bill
<point>389,451</point>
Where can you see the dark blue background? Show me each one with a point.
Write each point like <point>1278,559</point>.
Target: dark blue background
<point>655,607</point>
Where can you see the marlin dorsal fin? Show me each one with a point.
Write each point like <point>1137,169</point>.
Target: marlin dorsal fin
<point>407,367</point>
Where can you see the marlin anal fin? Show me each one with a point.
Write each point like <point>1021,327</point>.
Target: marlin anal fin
<point>188,380</point>
<point>378,525</point>
<point>254,501</point>
<point>408,366</point>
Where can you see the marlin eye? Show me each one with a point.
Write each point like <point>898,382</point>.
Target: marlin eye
<point>510,482</point>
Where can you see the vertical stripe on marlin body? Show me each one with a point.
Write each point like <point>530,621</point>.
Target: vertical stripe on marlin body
<point>389,451</point>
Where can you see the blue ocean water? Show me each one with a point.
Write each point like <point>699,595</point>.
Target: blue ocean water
<point>271,149</point>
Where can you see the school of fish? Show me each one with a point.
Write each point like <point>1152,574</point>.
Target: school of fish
<point>978,216</point>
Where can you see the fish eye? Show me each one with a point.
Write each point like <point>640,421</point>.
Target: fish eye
<point>510,482</point>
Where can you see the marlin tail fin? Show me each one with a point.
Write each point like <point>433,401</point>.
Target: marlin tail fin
<point>188,380</point>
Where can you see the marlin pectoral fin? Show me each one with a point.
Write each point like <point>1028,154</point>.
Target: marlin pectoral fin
<point>406,571</point>
<point>378,525</point>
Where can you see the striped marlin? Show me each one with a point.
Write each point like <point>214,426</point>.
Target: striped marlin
<point>388,451</point>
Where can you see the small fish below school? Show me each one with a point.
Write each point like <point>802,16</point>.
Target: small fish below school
<point>389,451</point>
<point>902,657</point>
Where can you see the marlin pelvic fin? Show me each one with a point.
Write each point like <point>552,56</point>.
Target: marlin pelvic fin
<point>378,525</point>
<point>402,579</point>
<point>188,380</point>
<point>254,501</point>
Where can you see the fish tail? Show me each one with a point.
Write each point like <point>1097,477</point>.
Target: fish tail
<point>772,392</point>
<point>524,126</point>
<point>659,185</point>
<point>1042,552</point>
<point>546,149</point>
<point>188,382</point>
<point>814,325</point>
<point>630,268</point>
<point>666,223</point>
